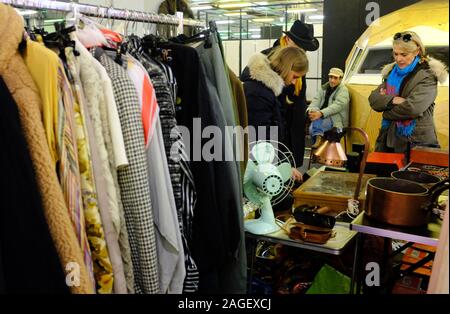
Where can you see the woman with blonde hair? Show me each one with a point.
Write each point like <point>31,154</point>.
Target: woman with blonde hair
<point>406,96</point>
<point>293,98</point>
<point>264,80</point>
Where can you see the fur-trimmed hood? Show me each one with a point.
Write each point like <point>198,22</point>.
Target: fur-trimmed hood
<point>438,68</point>
<point>260,70</point>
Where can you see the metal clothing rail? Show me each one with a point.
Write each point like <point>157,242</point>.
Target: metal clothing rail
<point>104,12</point>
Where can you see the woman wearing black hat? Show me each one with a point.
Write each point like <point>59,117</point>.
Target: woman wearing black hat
<point>293,98</point>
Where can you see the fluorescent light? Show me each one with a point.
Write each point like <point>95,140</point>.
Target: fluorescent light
<point>254,29</point>
<point>53,21</point>
<point>316,17</point>
<point>225,22</point>
<point>201,7</point>
<point>266,19</point>
<point>235,14</point>
<point>298,10</point>
<point>256,36</point>
<point>235,5</point>
<point>26,12</point>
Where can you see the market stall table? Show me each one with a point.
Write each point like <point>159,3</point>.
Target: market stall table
<point>428,235</point>
<point>335,245</point>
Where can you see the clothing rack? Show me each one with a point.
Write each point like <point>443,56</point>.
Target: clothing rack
<point>105,12</point>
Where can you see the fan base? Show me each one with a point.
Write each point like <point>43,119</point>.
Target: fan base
<point>257,226</point>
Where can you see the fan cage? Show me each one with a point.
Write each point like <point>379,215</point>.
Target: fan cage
<point>282,154</point>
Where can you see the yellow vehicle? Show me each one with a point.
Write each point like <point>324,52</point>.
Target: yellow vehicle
<point>429,19</point>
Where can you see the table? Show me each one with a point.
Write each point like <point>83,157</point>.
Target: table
<point>334,246</point>
<point>362,224</point>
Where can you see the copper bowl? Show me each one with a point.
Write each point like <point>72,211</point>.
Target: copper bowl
<point>397,202</point>
<point>416,176</point>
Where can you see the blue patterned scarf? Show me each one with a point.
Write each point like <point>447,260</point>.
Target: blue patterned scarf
<point>393,83</point>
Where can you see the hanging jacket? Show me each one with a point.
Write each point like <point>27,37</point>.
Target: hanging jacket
<point>168,237</point>
<point>108,196</point>
<point>218,238</point>
<point>29,261</point>
<point>183,186</point>
<point>133,180</point>
<point>26,95</point>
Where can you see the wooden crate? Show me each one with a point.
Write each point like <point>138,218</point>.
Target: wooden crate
<point>332,189</point>
<point>430,156</point>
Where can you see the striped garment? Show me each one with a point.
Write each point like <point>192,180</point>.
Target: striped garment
<point>133,180</point>
<point>69,172</point>
<point>179,169</point>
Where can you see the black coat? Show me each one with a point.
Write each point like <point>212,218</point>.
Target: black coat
<point>263,107</point>
<point>218,238</point>
<point>28,259</point>
<point>262,86</point>
<point>293,111</point>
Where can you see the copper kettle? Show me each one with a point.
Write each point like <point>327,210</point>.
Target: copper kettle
<point>401,202</point>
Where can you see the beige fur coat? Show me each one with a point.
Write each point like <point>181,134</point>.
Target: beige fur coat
<point>25,93</point>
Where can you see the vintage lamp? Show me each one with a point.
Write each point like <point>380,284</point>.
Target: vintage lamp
<point>331,153</point>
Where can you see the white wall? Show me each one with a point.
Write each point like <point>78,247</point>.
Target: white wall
<point>138,5</point>
<point>249,47</point>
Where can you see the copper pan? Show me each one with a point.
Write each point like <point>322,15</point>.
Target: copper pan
<point>426,179</point>
<point>401,202</point>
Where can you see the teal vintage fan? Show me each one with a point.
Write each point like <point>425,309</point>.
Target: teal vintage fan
<point>267,181</point>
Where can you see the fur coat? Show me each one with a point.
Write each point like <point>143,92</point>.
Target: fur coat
<point>26,95</point>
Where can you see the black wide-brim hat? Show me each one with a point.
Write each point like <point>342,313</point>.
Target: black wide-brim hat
<point>302,35</point>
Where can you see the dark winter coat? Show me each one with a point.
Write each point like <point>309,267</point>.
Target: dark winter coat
<point>29,262</point>
<point>262,86</point>
<point>293,110</point>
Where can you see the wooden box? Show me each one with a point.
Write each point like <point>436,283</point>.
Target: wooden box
<point>331,189</point>
<point>429,156</point>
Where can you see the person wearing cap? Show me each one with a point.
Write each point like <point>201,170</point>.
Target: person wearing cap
<point>293,97</point>
<point>329,108</point>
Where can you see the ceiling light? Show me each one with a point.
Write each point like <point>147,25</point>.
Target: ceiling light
<point>262,20</point>
<point>53,21</point>
<point>235,14</point>
<point>235,5</point>
<point>26,12</point>
<point>201,7</point>
<point>316,17</point>
<point>254,29</point>
<point>225,22</point>
<point>256,36</point>
<point>298,10</point>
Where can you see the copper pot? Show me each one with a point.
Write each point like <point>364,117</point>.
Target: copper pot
<point>421,177</point>
<point>401,202</point>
